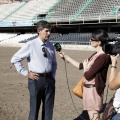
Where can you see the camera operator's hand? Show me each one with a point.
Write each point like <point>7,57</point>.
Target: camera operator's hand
<point>114,76</point>
<point>114,59</point>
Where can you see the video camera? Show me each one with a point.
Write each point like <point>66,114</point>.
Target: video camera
<point>111,46</point>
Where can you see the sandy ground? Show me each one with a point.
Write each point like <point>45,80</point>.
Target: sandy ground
<point>14,95</point>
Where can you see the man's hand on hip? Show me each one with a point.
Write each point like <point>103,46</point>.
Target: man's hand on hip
<point>33,76</point>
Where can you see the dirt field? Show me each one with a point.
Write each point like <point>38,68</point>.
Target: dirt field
<point>14,95</point>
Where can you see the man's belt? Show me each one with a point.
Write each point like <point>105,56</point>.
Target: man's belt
<point>43,74</point>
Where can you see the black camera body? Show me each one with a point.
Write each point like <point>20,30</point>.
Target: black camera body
<point>111,45</point>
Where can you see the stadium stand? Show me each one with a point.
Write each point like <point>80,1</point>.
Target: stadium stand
<point>70,38</point>
<point>30,10</point>
<point>4,36</point>
<point>58,10</point>
<point>66,9</point>
<point>21,38</point>
<point>76,10</point>
<point>99,8</point>
<point>27,13</point>
<point>8,9</point>
<point>75,38</point>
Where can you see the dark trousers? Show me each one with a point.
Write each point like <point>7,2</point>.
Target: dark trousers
<point>41,90</point>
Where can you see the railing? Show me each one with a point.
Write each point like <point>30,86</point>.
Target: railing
<point>62,19</point>
<point>82,19</point>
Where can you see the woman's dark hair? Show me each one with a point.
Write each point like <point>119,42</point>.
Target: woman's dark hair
<point>99,34</point>
<point>43,24</point>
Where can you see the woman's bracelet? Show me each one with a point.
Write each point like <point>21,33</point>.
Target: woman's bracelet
<point>113,67</point>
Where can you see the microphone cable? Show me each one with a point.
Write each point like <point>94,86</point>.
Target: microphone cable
<point>69,89</point>
<point>58,48</point>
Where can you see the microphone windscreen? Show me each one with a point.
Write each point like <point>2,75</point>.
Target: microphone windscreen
<point>58,47</point>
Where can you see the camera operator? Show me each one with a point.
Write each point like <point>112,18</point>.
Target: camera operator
<point>95,73</point>
<point>114,84</point>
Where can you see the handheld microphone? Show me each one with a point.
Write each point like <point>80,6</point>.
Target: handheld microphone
<point>58,47</point>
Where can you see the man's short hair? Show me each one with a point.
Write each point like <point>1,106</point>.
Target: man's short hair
<point>43,24</point>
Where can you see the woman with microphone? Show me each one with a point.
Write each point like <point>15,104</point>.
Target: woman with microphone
<point>95,72</point>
